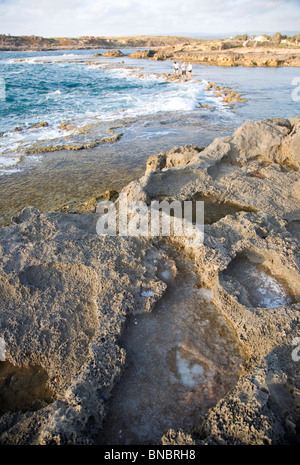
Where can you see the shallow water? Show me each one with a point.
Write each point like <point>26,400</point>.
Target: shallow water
<point>256,286</point>
<point>59,87</point>
<point>214,209</point>
<point>180,360</point>
<point>23,388</point>
<point>52,180</point>
<point>294,228</point>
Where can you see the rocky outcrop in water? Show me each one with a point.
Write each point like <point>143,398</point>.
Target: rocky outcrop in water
<point>228,57</point>
<point>66,293</point>
<point>113,53</point>
<point>19,43</point>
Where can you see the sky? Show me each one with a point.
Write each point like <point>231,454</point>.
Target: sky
<point>74,18</point>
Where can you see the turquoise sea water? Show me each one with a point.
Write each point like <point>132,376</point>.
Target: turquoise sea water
<point>83,98</point>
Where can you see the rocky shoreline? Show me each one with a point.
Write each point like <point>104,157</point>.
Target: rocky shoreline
<point>33,43</point>
<point>238,51</point>
<point>67,294</point>
<point>240,56</point>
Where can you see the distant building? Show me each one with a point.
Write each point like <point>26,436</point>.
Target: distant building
<point>260,38</point>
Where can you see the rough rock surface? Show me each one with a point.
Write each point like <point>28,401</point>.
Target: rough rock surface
<point>256,168</point>
<point>113,53</point>
<point>66,292</point>
<point>248,56</point>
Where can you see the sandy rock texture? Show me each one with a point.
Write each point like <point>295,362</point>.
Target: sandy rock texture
<point>220,55</point>
<point>250,185</point>
<point>66,291</point>
<point>249,57</point>
<point>226,53</point>
<point>113,53</point>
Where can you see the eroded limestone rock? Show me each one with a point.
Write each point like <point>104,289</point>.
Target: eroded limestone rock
<point>66,292</point>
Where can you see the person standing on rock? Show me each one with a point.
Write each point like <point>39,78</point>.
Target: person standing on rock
<point>183,69</point>
<point>176,68</point>
<point>190,69</point>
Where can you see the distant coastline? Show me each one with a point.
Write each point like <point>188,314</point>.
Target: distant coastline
<point>38,43</point>
<point>242,50</point>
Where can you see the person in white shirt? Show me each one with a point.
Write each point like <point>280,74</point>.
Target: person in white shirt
<point>176,68</point>
<point>190,69</point>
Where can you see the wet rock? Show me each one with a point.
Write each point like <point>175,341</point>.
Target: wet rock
<point>24,388</point>
<point>113,53</point>
<point>42,124</point>
<point>178,156</point>
<point>143,54</point>
<point>228,96</point>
